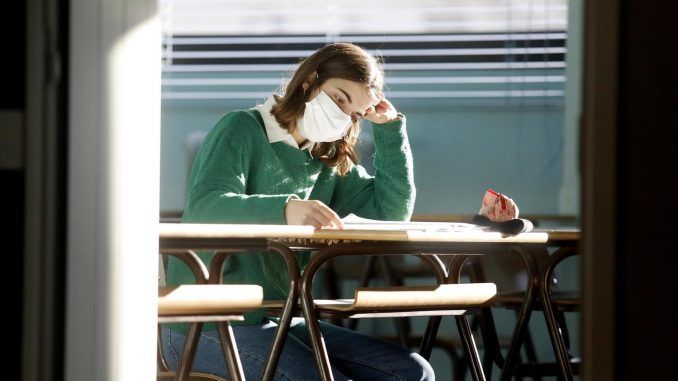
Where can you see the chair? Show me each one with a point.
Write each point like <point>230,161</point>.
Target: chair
<point>441,299</point>
<point>181,247</point>
<point>394,271</point>
<point>200,303</point>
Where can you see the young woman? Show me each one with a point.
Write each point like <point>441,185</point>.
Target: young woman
<point>293,160</point>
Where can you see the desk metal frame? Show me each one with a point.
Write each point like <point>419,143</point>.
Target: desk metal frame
<point>541,279</point>
<point>227,239</point>
<point>568,247</point>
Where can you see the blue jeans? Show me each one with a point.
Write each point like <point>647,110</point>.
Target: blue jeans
<point>353,356</point>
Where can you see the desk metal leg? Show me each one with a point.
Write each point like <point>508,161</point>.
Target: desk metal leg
<point>559,346</point>
<point>290,305</point>
<point>293,274</point>
<point>322,359</point>
<point>317,343</point>
<point>470,347</point>
<point>520,329</point>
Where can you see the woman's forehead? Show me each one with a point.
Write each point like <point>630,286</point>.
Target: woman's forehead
<point>359,93</point>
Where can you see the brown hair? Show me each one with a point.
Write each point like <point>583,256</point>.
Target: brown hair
<point>338,60</point>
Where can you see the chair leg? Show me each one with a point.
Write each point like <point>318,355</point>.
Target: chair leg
<point>429,336</point>
<point>188,353</point>
<point>491,347</point>
<point>162,360</point>
<point>230,349</point>
<point>467,339</point>
<point>562,357</point>
<point>530,353</point>
<point>564,332</point>
<point>460,372</point>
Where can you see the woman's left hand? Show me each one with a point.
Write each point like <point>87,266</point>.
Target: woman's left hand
<point>382,112</point>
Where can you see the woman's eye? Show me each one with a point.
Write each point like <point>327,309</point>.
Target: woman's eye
<point>340,101</point>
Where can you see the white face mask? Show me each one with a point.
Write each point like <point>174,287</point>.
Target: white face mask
<point>323,120</point>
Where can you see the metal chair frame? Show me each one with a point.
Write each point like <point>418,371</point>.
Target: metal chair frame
<point>552,309</point>
<point>196,321</point>
<point>183,248</point>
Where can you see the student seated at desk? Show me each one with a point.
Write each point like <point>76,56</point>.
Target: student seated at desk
<point>292,160</point>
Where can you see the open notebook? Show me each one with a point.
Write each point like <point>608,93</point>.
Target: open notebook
<point>480,223</point>
<point>354,222</point>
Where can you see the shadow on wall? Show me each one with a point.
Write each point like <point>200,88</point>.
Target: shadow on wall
<point>193,143</point>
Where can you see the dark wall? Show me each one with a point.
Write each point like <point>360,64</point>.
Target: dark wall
<point>12,98</point>
<point>648,109</point>
<point>13,29</point>
<point>12,195</point>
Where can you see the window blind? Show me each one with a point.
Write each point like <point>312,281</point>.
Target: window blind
<point>472,52</point>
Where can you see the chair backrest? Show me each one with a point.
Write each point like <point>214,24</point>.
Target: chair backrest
<point>208,299</point>
<point>202,302</point>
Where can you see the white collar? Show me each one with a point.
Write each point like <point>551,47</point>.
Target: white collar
<point>273,129</point>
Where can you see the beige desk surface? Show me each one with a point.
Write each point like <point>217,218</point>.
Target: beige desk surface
<point>571,235</point>
<point>286,232</point>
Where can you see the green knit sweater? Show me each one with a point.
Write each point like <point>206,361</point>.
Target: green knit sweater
<point>238,176</point>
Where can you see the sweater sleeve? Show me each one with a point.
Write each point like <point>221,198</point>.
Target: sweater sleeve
<point>217,185</point>
<point>390,193</point>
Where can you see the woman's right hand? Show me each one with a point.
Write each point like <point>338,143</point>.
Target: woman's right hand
<point>382,112</point>
<point>311,212</point>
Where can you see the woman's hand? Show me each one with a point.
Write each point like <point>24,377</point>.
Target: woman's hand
<point>382,112</point>
<point>498,207</point>
<point>311,212</point>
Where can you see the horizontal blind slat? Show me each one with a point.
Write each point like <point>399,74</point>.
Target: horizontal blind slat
<point>480,66</point>
<point>266,40</point>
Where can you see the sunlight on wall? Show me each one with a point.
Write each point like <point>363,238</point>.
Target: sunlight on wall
<point>113,182</point>
<point>134,168</point>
